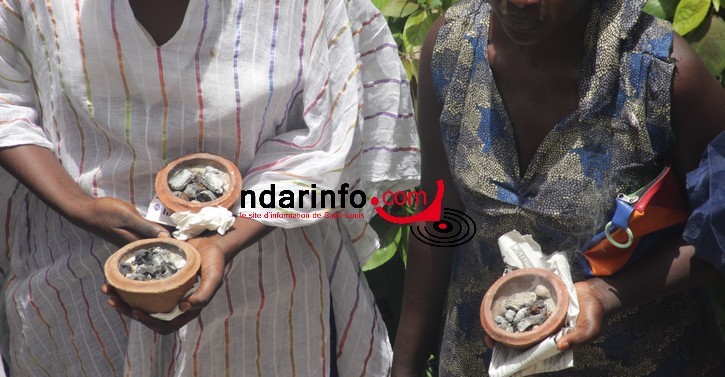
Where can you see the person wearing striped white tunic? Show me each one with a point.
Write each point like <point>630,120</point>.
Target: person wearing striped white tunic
<point>97,96</point>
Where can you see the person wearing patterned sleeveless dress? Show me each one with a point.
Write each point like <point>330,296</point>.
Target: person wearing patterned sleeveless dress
<point>97,96</point>
<point>536,114</point>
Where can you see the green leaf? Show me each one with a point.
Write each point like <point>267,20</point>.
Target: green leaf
<point>409,209</point>
<point>389,241</point>
<point>416,28</point>
<point>709,43</point>
<point>435,4</point>
<point>399,8</point>
<point>664,9</point>
<point>716,4</point>
<point>404,244</point>
<point>408,66</point>
<point>448,3</point>
<point>379,3</point>
<point>411,68</point>
<point>689,14</point>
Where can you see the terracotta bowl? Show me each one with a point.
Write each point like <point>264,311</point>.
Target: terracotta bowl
<point>522,280</point>
<point>174,204</point>
<point>154,296</point>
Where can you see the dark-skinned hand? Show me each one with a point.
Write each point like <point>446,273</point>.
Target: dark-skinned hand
<point>115,221</point>
<point>588,323</point>
<point>157,325</point>
<point>213,263</point>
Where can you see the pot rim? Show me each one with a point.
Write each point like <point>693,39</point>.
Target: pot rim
<point>174,204</point>
<point>122,283</point>
<point>527,338</point>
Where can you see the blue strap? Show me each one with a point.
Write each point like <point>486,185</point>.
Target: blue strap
<point>621,214</point>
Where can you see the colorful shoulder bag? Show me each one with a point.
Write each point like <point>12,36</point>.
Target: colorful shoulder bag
<point>638,221</point>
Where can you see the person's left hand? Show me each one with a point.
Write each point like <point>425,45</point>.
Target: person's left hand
<point>157,325</point>
<point>588,324</point>
<point>591,317</point>
<point>213,263</point>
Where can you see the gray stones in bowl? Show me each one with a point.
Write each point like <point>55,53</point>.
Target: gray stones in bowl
<point>151,264</point>
<point>526,310</point>
<point>199,184</point>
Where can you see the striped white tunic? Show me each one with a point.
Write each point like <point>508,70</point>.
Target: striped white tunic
<point>296,92</point>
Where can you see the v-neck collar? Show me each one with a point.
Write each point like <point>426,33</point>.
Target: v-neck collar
<point>142,33</point>
<point>498,105</point>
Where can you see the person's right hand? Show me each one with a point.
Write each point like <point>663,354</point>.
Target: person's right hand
<point>115,221</point>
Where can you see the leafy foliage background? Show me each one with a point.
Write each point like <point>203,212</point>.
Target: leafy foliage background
<point>701,23</point>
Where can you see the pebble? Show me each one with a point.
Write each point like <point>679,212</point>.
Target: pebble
<point>500,320</point>
<point>205,196</point>
<point>510,314</point>
<point>550,305</point>
<point>542,292</point>
<point>530,322</point>
<point>521,314</point>
<point>198,185</point>
<point>151,264</point>
<point>181,195</point>
<point>519,300</point>
<point>525,311</point>
<point>193,189</point>
<point>181,179</point>
<point>212,179</point>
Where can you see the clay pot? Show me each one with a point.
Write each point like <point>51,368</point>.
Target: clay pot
<point>154,296</point>
<point>174,204</point>
<point>523,280</point>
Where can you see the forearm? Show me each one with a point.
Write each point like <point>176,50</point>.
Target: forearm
<point>243,234</point>
<point>40,171</point>
<point>426,281</point>
<point>664,270</point>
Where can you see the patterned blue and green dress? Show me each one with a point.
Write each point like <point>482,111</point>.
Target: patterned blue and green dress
<point>615,141</point>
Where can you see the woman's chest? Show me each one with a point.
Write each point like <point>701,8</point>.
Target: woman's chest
<point>534,101</point>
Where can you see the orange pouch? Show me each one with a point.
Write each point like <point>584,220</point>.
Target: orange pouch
<point>638,221</point>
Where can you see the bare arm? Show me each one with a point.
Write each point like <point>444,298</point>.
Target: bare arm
<point>428,269</point>
<point>698,115</point>
<point>672,268</point>
<point>40,171</point>
<point>698,107</point>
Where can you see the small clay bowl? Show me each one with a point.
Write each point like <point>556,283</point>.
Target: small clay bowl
<point>523,280</point>
<point>154,296</point>
<point>174,204</point>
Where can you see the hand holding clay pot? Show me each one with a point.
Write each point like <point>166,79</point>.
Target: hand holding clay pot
<point>213,257</point>
<point>524,307</point>
<point>153,275</point>
<point>592,310</point>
